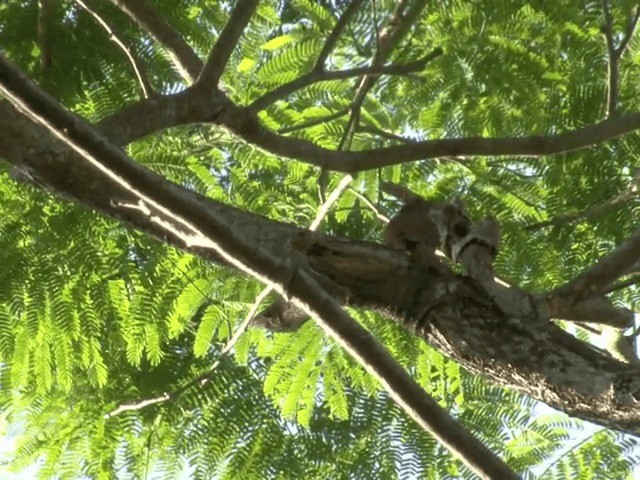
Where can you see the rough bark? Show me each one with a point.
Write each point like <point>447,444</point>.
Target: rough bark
<point>453,313</point>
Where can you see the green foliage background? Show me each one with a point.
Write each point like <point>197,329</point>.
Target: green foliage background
<point>93,316</point>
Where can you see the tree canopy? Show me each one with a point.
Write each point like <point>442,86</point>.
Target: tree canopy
<point>229,145</point>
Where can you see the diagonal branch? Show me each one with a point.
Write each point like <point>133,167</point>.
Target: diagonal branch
<point>333,37</point>
<point>628,33</point>
<point>561,220</point>
<point>138,69</point>
<point>623,284</point>
<point>201,379</point>
<point>226,42</point>
<point>209,231</point>
<point>185,59</point>
<point>596,279</point>
<point>400,21</point>
<point>316,76</point>
<point>394,31</point>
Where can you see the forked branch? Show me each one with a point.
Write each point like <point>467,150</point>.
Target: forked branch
<point>207,229</point>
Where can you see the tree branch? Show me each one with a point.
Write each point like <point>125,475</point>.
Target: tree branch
<point>395,30</point>
<point>315,121</point>
<point>562,220</point>
<point>188,63</point>
<point>209,231</point>
<point>623,284</point>
<point>596,279</point>
<point>242,122</point>
<point>138,69</point>
<point>226,42</point>
<point>465,326</point>
<point>382,133</point>
<point>45,12</point>
<point>370,205</point>
<point>612,94</point>
<point>631,26</point>
<point>151,115</point>
<point>615,53</point>
<point>203,378</point>
<point>333,37</point>
<point>316,76</point>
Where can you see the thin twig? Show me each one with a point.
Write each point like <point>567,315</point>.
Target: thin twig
<point>401,192</point>
<point>382,133</point>
<point>333,37</point>
<point>631,26</point>
<point>369,204</point>
<point>315,121</point>
<point>575,447</point>
<point>562,220</point>
<point>316,76</point>
<point>398,25</point>
<point>138,69</point>
<point>226,42</point>
<point>615,53</point>
<point>612,93</point>
<point>594,280</point>
<point>374,11</point>
<point>201,379</point>
<point>623,284</point>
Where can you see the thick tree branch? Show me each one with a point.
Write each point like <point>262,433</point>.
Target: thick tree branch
<point>138,69</point>
<point>226,42</point>
<point>203,378</point>
<point>185,59</point>
<point>208,230</point>
<point>546,363</point>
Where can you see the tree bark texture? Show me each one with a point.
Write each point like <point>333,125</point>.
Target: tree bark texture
<point>451,312</point>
